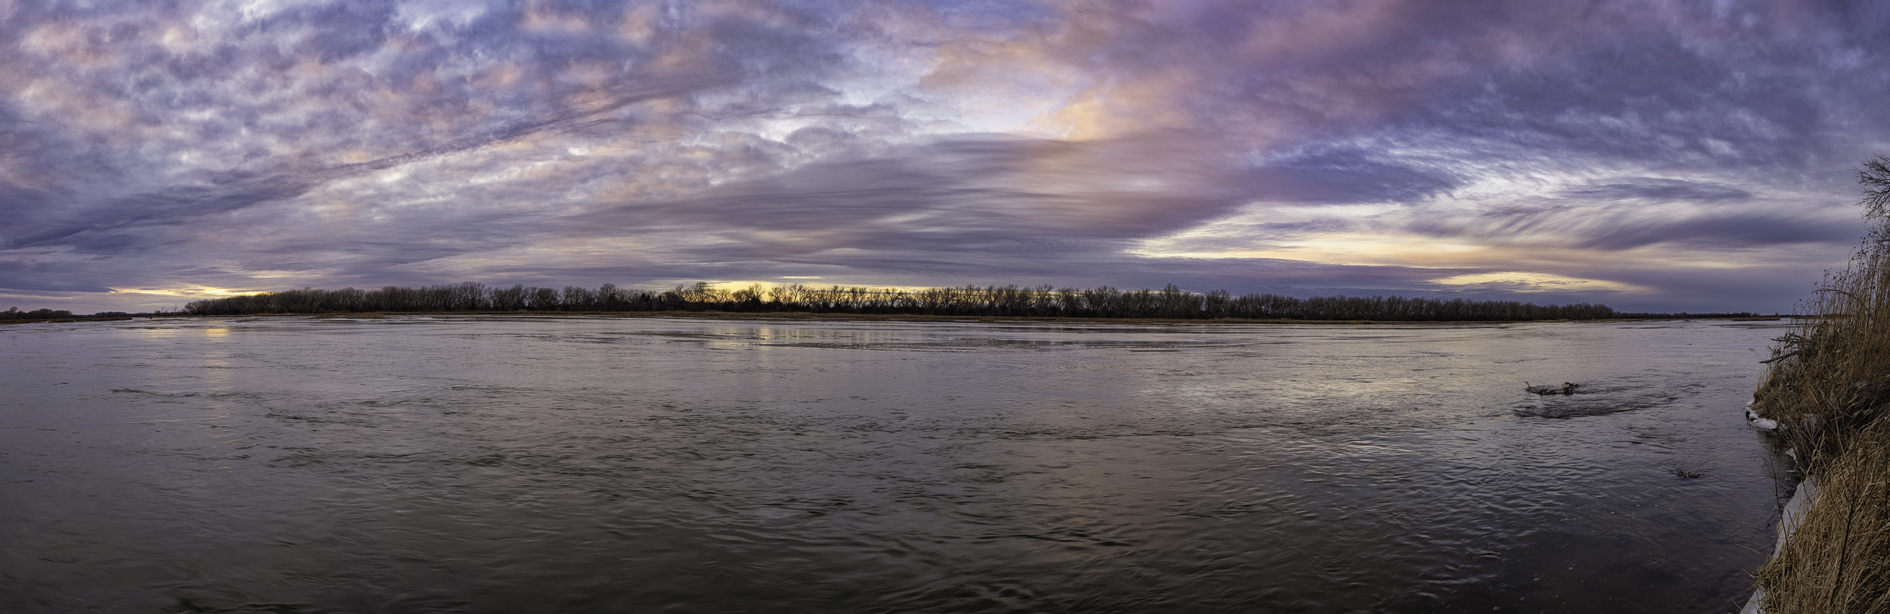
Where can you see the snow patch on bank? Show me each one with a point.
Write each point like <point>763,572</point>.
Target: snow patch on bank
<point>1788,521</point>
<point>1752,417</point>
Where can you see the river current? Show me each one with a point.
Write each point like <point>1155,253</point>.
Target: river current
<point>597,464</point>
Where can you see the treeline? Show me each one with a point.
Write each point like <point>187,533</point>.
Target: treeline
<point>985,301</point>
<point>14,313</point>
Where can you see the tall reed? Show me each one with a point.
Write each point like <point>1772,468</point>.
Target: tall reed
<point>1829,385</point>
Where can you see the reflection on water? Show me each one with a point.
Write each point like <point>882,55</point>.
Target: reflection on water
<point>466,464</point>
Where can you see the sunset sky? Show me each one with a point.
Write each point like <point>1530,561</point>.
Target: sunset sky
<point>1664,156</point>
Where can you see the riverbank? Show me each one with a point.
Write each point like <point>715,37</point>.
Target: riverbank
<point>60,320</point>
<point>801,316</point>
<point>1788,519</point>
<point>1828,388</point>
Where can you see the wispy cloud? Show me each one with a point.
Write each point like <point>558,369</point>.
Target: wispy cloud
<point>1650,155</point>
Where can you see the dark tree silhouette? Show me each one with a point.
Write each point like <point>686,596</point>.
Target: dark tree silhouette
<point>1171,302</point>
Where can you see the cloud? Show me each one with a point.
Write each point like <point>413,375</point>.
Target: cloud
<point>1370,146</point>
<point>1656,190</point>
<point>1620,227</point>
<point>1348,175</point>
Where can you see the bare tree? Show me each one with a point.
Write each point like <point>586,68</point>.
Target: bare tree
<point>1875,176</point>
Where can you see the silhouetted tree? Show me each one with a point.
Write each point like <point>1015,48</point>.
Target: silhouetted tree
<point>970,300</point>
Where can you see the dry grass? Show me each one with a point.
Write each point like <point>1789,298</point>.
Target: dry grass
<point>1829,384</point>
<point>1838,558</point>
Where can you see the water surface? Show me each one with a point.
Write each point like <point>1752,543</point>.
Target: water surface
<point>493,464</point>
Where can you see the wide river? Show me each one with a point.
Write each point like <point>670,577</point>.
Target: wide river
<point>514,464</point>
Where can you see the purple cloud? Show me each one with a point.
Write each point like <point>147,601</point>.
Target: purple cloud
<point>1371,147</point>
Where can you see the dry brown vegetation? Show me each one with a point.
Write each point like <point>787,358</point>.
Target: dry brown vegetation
<point>1829,385</point>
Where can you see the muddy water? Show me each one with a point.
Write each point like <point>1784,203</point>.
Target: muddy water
<point>478,464</point>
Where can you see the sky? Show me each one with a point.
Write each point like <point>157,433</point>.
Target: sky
<point>1651,156</point>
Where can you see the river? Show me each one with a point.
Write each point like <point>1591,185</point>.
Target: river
<point>539,464</point>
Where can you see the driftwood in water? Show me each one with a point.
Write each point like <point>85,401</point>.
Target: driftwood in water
<point>1565,389</point>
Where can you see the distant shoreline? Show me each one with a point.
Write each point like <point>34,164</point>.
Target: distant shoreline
<point>808,316</point>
